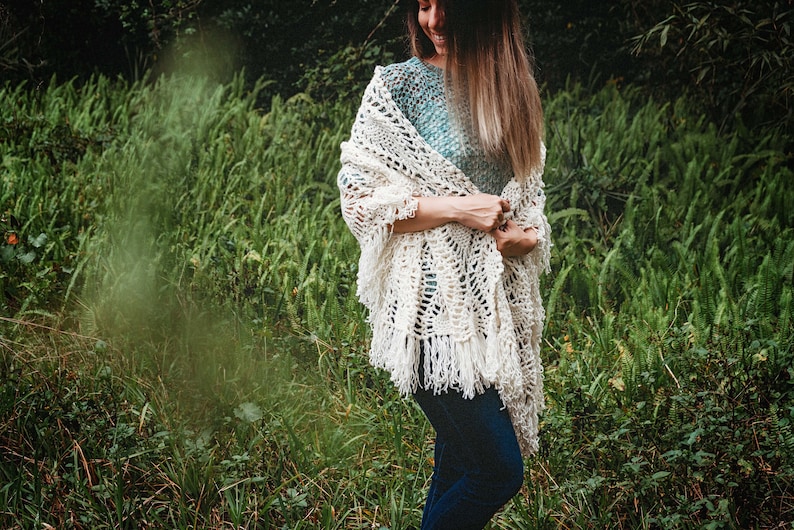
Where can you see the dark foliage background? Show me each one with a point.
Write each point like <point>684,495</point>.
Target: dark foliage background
<point>734,58</point>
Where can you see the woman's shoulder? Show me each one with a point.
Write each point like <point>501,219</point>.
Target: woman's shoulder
<point>408,75</point>
<point>411,66</point>
<point>408,80</point>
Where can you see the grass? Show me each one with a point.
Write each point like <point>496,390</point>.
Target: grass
<point>182,346</point>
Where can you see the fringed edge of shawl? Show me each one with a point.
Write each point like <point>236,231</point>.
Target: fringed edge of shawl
<point>450,366</point>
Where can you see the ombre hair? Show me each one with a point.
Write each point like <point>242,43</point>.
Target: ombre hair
<point>489,73</point>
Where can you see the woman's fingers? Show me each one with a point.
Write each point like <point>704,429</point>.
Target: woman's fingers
<point>512,240</point>
<point>482,211</point>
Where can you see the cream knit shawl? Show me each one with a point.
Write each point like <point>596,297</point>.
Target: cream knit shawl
<point>478,315</point>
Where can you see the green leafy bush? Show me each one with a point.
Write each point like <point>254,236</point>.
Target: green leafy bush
<point>737,55</point>
<point>47,203</point>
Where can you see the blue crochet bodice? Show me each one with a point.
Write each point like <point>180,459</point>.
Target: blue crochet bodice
<point>418,90</point>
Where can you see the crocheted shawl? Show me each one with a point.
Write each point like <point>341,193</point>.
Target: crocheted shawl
<point>476,316</point>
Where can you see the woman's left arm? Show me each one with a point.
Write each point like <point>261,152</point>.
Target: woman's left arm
<point>527,229</point>
<point>512,240</point>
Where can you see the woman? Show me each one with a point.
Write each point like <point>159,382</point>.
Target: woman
<point>441,184</point>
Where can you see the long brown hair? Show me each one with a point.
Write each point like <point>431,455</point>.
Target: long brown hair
<point>489,72</point>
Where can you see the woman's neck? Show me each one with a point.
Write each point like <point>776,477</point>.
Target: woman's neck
<point>439,61</point>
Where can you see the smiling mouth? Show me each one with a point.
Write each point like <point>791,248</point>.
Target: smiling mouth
<point>440,39</point>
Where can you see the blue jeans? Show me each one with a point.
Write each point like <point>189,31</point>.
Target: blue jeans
<point>478,465</point>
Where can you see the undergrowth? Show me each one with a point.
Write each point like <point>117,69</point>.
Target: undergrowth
<point>182,346</point>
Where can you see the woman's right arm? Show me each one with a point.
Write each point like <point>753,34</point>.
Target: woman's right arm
<point>480,212</point>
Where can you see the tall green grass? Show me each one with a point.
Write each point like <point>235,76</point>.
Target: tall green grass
<point>182,346</point>
<point>670,336</point>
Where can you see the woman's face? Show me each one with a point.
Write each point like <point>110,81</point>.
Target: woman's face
<point>431,20</point>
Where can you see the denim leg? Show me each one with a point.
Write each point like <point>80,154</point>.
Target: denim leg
<point>478,464</point>
<point>446,472</point>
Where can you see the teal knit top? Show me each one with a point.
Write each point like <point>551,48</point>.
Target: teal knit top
<point>418,90</point>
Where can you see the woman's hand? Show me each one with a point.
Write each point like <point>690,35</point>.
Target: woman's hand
<point>512,240</point>
<point>481,212</point>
